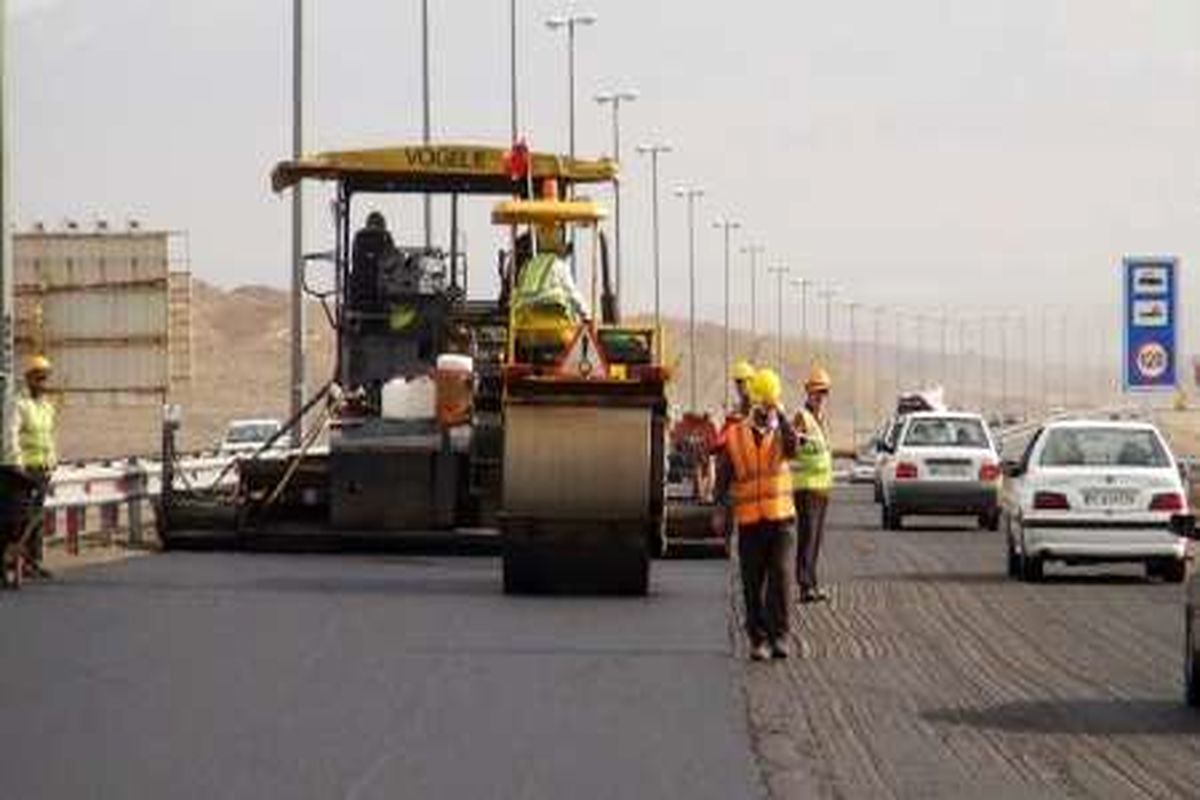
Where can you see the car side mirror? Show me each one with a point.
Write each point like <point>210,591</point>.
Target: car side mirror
<point>1013,469</point>
<point>1184,525</point>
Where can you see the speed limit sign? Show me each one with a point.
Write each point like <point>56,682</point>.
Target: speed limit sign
<point>1151,323</point>
<point>1152,360</point>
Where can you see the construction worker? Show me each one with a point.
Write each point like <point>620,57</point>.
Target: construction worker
<point>372,247</point>
<point>33,447</point>
<point>755,485</point>
<point>743,372</point>
<point>812,476</point>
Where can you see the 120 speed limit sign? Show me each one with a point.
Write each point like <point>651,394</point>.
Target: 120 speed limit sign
<point>1152,360</point>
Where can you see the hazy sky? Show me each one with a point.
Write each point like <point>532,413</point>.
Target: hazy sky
<point>924,153</point>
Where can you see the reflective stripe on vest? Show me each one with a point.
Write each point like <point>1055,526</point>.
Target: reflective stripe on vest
<point>35,433</point>
<point>812,468</point>
<point>762,485</point>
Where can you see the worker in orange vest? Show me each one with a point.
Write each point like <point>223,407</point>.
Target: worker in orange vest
<point>755,483</point>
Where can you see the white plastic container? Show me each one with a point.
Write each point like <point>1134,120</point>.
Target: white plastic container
<point>409,399</point>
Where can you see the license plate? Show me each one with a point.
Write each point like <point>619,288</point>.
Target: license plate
<point>1109,498</point>
<point>949,470</point>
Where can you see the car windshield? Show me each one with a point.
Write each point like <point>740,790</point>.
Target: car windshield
<point>1103,447</point>
<point>946,432</point>
<point>256,432</point>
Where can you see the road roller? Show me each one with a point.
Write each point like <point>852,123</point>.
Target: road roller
<point>584,406</point>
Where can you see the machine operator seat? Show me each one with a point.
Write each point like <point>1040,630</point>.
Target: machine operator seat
<point>372,246</point>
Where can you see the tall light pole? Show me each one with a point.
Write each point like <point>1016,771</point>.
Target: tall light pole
<point>877,312</point>
<point>779,271</point>
<point>6,279</point>
<point>727,226</point>
<point>568,22</point>
<point>754,251</point>
<point>802,284</point>
<point>827,295</point>
<point>654,151</point>
<point>853,307</point>
<point>512,66</point>
<point>298,376</point>
<point>615,99</point>
<point>691,194</point>
<point>898,352</point>
<point>425,132</point>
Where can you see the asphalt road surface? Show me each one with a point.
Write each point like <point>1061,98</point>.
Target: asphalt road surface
<point>255,676</point>
<point>931,674</point>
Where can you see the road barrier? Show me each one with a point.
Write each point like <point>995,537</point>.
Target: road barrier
<point>114,501</point>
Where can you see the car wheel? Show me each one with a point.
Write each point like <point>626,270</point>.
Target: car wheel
<point>1191,661</point>
<point>1174,571</point>
<point>1014,561</point>
<point>1032,568</point>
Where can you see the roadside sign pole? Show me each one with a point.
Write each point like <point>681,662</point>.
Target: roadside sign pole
<point>6,279</point>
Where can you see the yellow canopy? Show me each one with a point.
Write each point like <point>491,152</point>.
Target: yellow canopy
<point>544,212</point>
<point>465,168</point>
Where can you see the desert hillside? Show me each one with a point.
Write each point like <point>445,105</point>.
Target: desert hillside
<point>240,368</point>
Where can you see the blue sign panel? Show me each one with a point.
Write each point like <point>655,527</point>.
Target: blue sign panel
<point>1151,323</point>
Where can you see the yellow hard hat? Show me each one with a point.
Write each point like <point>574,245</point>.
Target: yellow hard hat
<point>765,387</point>
<point>818,380</point>
<point>743,370</point>
<point>37,363</point>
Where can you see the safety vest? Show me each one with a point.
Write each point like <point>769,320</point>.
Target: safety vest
<point>762,485</point>
<point>34,435</point>
<point>812,468</point>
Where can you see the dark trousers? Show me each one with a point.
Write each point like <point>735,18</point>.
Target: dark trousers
<point>810,530</point>
<point>34,547</point>
<point>765,556</point>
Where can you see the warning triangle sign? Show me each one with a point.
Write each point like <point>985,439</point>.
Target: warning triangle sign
<point>584,357</point>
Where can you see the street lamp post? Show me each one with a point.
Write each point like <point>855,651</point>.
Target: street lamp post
<point>654,150</point>
<point>754,251</point>
<point>568,23</point>
<point>727,226</point>
<point>425,131</point>
<point>7,370</point>
<point>827,295</point>
<point>297,310</point>
<point>877,312</point>
<point>615,99</point>
<point>779,272</point>
<point>512,65</point>
<point>853,307</point>
<point>803,284</point>
<point>691,194</point>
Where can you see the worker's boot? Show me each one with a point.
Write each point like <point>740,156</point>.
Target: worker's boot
<point>760,652</point>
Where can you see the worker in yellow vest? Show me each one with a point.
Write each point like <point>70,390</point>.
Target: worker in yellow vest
<point>33,446</point>
<point>755,485</point>
<point>812,477</point>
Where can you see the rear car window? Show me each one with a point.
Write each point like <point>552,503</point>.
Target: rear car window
<point>946,432</point>
<point>1103,447</point>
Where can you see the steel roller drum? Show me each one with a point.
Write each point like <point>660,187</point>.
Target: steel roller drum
<point>577,462</point>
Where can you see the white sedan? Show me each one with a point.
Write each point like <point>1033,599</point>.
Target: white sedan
<point>1094,492</point>
<point>940,462</point>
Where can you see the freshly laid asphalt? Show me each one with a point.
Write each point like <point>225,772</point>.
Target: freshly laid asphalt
<point>198,675</point>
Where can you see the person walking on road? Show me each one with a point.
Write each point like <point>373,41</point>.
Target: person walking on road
<point>755,485</point>
<point>812,476</point>
<point>33,447</point>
